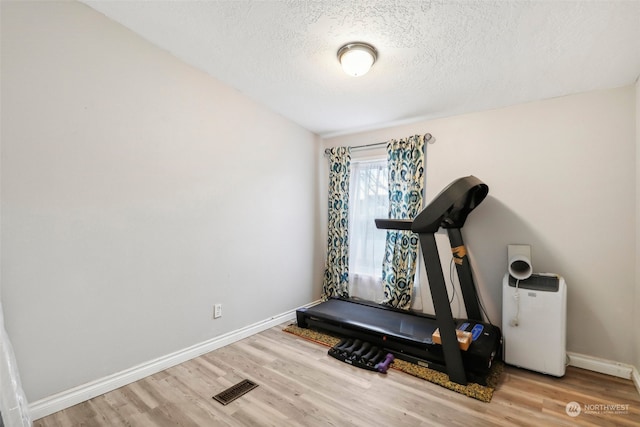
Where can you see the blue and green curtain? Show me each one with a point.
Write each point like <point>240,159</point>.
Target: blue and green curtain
<point>405,159</point>
<point>336,274</point>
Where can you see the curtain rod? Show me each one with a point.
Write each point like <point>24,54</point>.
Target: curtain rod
<point>427,138</point>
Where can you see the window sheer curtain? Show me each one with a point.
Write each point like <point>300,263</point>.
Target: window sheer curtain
<point>368,200</point>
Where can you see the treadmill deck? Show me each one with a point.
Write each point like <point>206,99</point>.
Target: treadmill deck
<point>406,334</point>
<point>383,321</point>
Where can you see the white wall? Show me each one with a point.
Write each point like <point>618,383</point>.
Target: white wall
<point>136,193</point>
<point>561,176</point>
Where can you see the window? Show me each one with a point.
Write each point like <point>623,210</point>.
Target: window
<point>368,199</point>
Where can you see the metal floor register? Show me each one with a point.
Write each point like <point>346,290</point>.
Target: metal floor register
<point>235,391</point>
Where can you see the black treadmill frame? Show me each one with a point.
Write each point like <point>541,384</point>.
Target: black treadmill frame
<point>477,360</point>
<point>448,210</point>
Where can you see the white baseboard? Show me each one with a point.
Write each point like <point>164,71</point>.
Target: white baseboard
<point>68,398</point>
<point>602,366</point>
<point>635,376</point>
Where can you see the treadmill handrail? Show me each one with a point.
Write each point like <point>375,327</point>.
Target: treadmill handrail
<point>393,224</point>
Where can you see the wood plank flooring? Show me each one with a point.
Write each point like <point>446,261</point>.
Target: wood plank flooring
<point>299,385</point>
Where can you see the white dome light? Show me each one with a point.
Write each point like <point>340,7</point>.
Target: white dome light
<point>357,58</point>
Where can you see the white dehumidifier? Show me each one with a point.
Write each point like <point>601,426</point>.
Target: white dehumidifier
<point>534,319</point>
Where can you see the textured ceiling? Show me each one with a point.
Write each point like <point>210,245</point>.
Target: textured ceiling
<point>436,58</point>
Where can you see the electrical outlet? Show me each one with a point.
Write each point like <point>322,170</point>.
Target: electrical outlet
<point>217,311</point>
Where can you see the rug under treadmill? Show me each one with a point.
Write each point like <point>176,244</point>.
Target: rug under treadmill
<point>476,391</point>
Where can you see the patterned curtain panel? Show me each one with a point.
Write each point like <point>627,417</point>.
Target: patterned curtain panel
<point>406,181</point>
<point>336,274</point>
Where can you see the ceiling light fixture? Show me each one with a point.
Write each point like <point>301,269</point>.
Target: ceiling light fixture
<point>357,58</point>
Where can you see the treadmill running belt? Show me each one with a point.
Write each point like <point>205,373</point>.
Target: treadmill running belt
<point>377,319</point>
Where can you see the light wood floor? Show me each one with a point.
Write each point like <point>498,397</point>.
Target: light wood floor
<point>299,385</point>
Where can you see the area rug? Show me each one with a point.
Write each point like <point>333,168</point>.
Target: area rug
<point>476,391</point>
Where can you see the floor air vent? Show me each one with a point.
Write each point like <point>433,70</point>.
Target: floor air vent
<point>235,391</point>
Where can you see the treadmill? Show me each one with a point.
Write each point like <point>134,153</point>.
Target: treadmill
<point>408,335</point>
